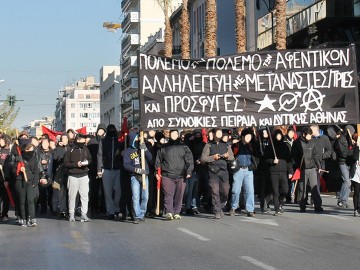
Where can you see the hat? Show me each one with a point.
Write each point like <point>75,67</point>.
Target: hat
<point>159,135</point>
<point>247,131</point>
<point>24,133</point>
<point>110,128</point>
<point>101,126</point>
<point>307,130</point>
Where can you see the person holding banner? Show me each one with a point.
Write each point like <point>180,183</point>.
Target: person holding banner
<point>306,158</point>
<point>215,154</point>
<point>244,177</point>
<point>278,160</point>
<point>176,163</point>
<point>4,183</point>
<point>132,163</point>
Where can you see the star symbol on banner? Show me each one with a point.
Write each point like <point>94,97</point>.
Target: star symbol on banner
<point>266,103</point>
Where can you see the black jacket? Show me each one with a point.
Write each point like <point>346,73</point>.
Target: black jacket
<point>47,169</point>
<point>109,154</point>
<point>323,147</point>
<point>220,148</point>
<point>32,170</point>
<point>283,154</point>
<point>72,156</point>
<point>306,149</point>
<point>341,148</point>
<point>132,156</point>
<point>175,160</point>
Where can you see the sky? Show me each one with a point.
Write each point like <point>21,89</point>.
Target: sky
<point>46,44</point>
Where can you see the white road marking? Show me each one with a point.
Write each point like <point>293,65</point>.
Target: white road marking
<point>271,222</point>
<point>258,263</point>
<point>197,236</point>
<point>334,216</point>
<point>79,243</point>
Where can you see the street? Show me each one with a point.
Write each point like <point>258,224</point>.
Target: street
<point>290,241</point>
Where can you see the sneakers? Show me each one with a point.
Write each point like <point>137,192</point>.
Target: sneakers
<point>136,221</point>
<point>356,213</point>
<point>281,209</point>
<point>111,217</point>
<point>342,205</point>
<point>85,219</point>
<point>177,217</point>
<point>250,214</point>
<point>72,218</point>
<point>319,210</point>
<point>196,211</point>
<point>277,213</point>
<point>232,212</point>
<point>32,223</point>
<point>169,216</point>
<point>265,210</point>
<point>217,216</point>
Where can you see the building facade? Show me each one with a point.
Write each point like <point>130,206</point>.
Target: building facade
<point>78,105</point>
<point>34,128</point>
<point>110,95</point>
<point>142,18</point>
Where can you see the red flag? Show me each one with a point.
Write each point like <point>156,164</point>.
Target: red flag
<point>158,182</point>
<point>52,134</point>
<point>11,200</point>
<point>82,130</point>
<point>124,130</point>
<point>204,135</point>
<point>20,163</point>
<point>295,133</point>
<point>296,175</point>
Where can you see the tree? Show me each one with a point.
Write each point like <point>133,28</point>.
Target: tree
<point>8,113</point>
<point>210,29</point>
<point>185,31</point>
<point>240,27</point>
<point>165,4</point>
<point>280,33</point>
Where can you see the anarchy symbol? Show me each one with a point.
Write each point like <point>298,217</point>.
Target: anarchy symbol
<point>289,99</point>
<point>312,100</point>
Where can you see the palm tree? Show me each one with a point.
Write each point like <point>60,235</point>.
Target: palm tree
<point>280,33</point>
<point>240,28</point>
<point>210,29</point>
<point>185,31</point>
<point>164,4</point>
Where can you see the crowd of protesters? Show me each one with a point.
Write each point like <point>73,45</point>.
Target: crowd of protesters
<point>168,174</point>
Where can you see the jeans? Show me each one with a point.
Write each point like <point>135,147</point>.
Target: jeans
<point>191,191</point>
<point>346,185</point>
<point>140,196</point>
<point>25,191</point>
<point>247,177</point>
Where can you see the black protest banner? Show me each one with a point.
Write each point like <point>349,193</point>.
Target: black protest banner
<point>290,87</point>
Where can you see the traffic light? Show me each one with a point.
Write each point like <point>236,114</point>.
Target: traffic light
<point>11,101</point>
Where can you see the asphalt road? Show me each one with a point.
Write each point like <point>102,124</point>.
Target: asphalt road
<point>291,241</point>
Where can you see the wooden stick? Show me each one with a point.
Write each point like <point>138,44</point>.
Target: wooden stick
<point>143,176</point>
<point>271,141</point>
<point>158,186</point>
<point>17,145</point>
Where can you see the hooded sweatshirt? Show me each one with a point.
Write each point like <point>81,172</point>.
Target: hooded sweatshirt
<point>109,153</point>
<point>132,155</point>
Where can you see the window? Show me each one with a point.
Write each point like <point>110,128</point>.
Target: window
<point>83,115</point>
<point>72,105</point>
<point>72,115</point>
<point>88,96</point>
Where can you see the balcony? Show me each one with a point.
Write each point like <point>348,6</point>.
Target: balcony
<point>126,4</point>
<point>129,63</point>
<point>130,21</point>
<point>130,41</point>
<point>131,83</point>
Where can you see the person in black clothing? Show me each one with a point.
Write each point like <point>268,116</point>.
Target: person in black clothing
<point>60,178</point>
<point>45,156</point>
<point>108,168</point>
<point>4,180</point>
<point>200,175</point>
<point>262,173</point>
<point>306,157</point>
<point>176,163</point>
<point>96,195</point>
<point>280,167</point>
<point>28,165</point>
<point>77,159</point>
<point>323,147</point>
<point>342,148</point>
<point>215,154</point>
<point>355,175</point>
